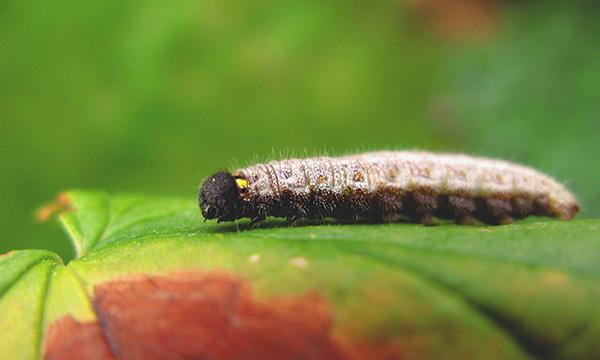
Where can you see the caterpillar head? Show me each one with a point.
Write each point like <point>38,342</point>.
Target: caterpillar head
<point>220,197</point>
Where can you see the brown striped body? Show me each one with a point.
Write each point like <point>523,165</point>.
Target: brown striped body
<point>384,186</point>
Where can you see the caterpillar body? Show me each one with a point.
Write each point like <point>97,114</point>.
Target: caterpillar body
<point>384,186</point>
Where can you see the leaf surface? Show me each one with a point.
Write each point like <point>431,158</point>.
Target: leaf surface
<point>525,290</point>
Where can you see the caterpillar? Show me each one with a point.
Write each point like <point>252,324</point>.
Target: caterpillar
<point>385,186</point>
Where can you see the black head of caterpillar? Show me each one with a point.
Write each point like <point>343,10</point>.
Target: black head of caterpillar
<point>221,197</point>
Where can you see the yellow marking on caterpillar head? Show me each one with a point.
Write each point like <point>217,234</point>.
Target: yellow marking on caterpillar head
<point>241,183</point>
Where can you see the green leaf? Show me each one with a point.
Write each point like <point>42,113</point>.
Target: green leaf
<point>525,290</point>
<point>24,281</point>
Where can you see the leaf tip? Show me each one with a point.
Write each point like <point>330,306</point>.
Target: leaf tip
<point>60,205</point>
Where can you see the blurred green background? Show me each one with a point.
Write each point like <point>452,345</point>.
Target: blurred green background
<point>151,96</point>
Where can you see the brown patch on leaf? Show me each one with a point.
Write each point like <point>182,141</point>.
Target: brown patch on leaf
<point>60,205</point>
<point>210,315</point>
<point>459,19</point>
<point>69,339</point>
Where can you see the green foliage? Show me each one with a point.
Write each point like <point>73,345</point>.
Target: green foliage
<point>533,95</point>
<point>525,290</point>
<point>150,96</point>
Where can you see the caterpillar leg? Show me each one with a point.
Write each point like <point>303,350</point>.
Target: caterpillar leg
<point>505,220</point>
<point>256,220</point>
<point>426,219</point>
<point>386,205</point>
<point>498,210</point>
<point>291,220</point>
<point>422,203</point>
<point>389,217</point>
<point>461,206</point>
<point>522,206</point>
<point>466,220</point>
